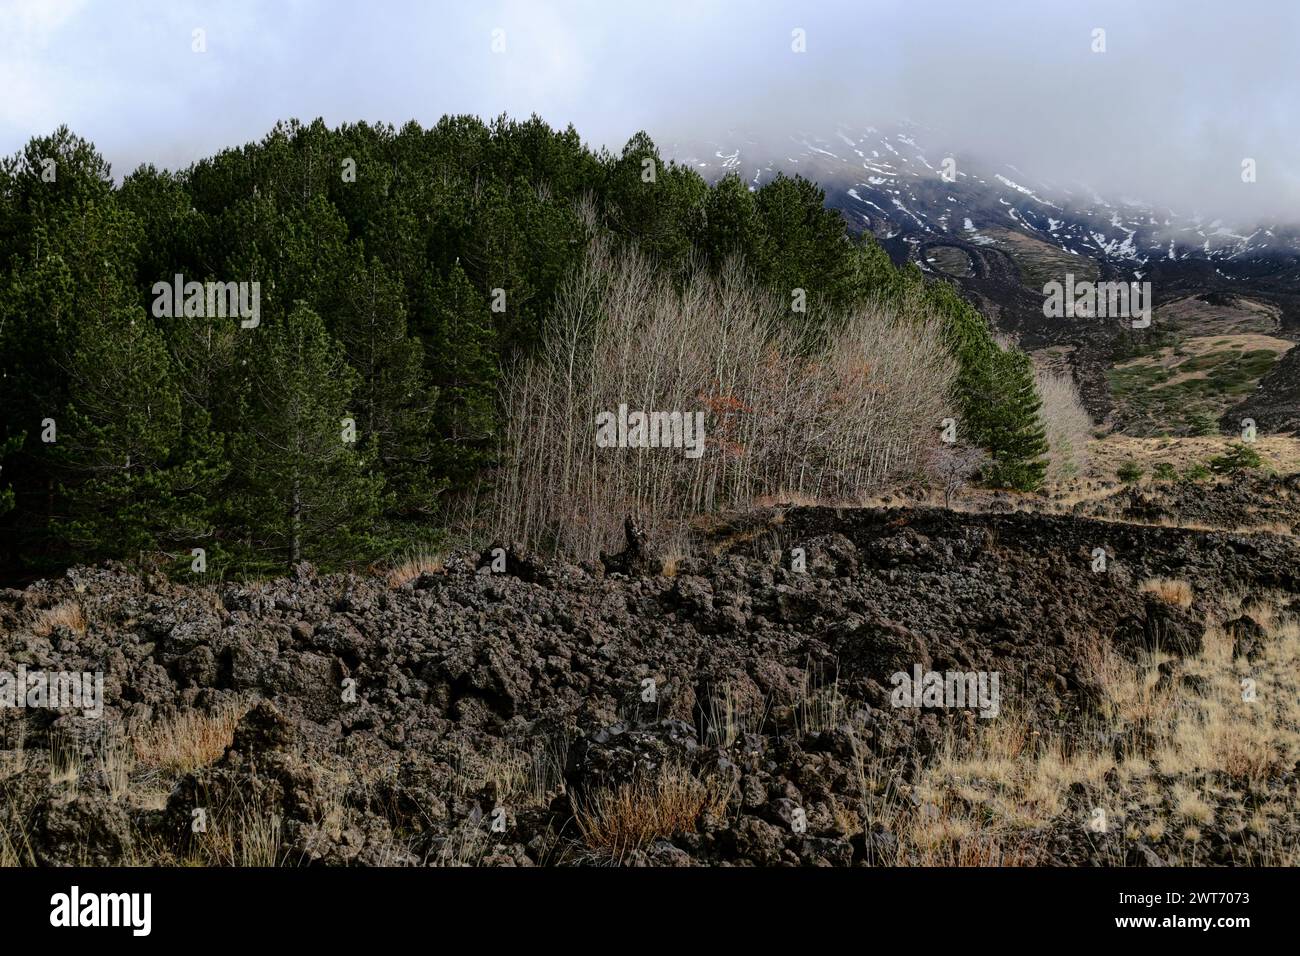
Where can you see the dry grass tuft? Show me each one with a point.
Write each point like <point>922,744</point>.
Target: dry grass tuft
<point>243,836</point>
<point>418,561</point>
<point>16,844</point>
<point>13,744</point>
<point>820,707</point>
<point>187,741</point>
<point>730,715</point>
<point>68,614</point>
<point>1173,591</point>
<point>657,805</point>
<point>519,775</point>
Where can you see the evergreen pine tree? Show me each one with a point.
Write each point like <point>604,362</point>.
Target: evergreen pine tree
<point>301,490</point>
<point>461,348</point>
<point>394,400</point>
<point>130,479</point>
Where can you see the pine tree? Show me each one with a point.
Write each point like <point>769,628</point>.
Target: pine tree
<point>131,480</point>
<point>656,204</point>
<point>394,399</point>
<point>804,247</point>
<point>461,349</point>
<point>301,489</point>
<point>67,258</point>
<point>731,223</point>
<point>995,394</point>
<point>998,406</point>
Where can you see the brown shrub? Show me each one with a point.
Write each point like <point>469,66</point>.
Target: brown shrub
<point>782,418</point>
<point>1067,423</point>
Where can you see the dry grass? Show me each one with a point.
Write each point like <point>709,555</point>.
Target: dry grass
<point>730,715</point>
<point>1061,493</point>
<point>69,614</point>
<point>189,740</point>
<point>242,836</point>
<point>660,804</point>
<point>821,707</point>
<point>13,744</point>
<point>106,755</point>
<point>881,803</point>
<point>65,761</point>
<point>1173,591</point>
<point>1281,453</point>
<point>1132,697</point>
<point>521,776</point>
<point>114,760</point>
<point>16,844</point>
<point>1188,760</point>
<point>418,561</point>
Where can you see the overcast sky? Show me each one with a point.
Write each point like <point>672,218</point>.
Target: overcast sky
<point>1184,91</point>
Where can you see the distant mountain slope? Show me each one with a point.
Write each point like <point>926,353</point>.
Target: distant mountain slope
<point>891,183</point>
<point>1000,233</point>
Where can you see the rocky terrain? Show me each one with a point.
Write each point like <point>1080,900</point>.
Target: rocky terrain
<point>1276,403</point>
<point>726,708</point>
<point>1275,504</point>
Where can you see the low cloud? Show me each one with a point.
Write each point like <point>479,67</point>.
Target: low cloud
<point>1184,92</point>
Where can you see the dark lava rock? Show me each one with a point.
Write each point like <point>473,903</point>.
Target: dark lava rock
<point>470,717</point>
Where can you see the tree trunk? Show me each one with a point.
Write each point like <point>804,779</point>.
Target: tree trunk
<point>295,525</point>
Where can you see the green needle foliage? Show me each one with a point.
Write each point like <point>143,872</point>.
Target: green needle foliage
<point>305,491</point>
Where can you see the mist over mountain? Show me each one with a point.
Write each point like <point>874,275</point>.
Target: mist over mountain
<point>1165,114</point>
<point>1161,107</point>
<point>911,183</point>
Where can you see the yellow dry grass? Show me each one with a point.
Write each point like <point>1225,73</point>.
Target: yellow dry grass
<point>69,614</point>
<point>190,740</point>
<point>1173,591</point>
<point>1281,453</point>
<point>1202,740</point>
<point>418,561</point>
<point>660,804</point>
